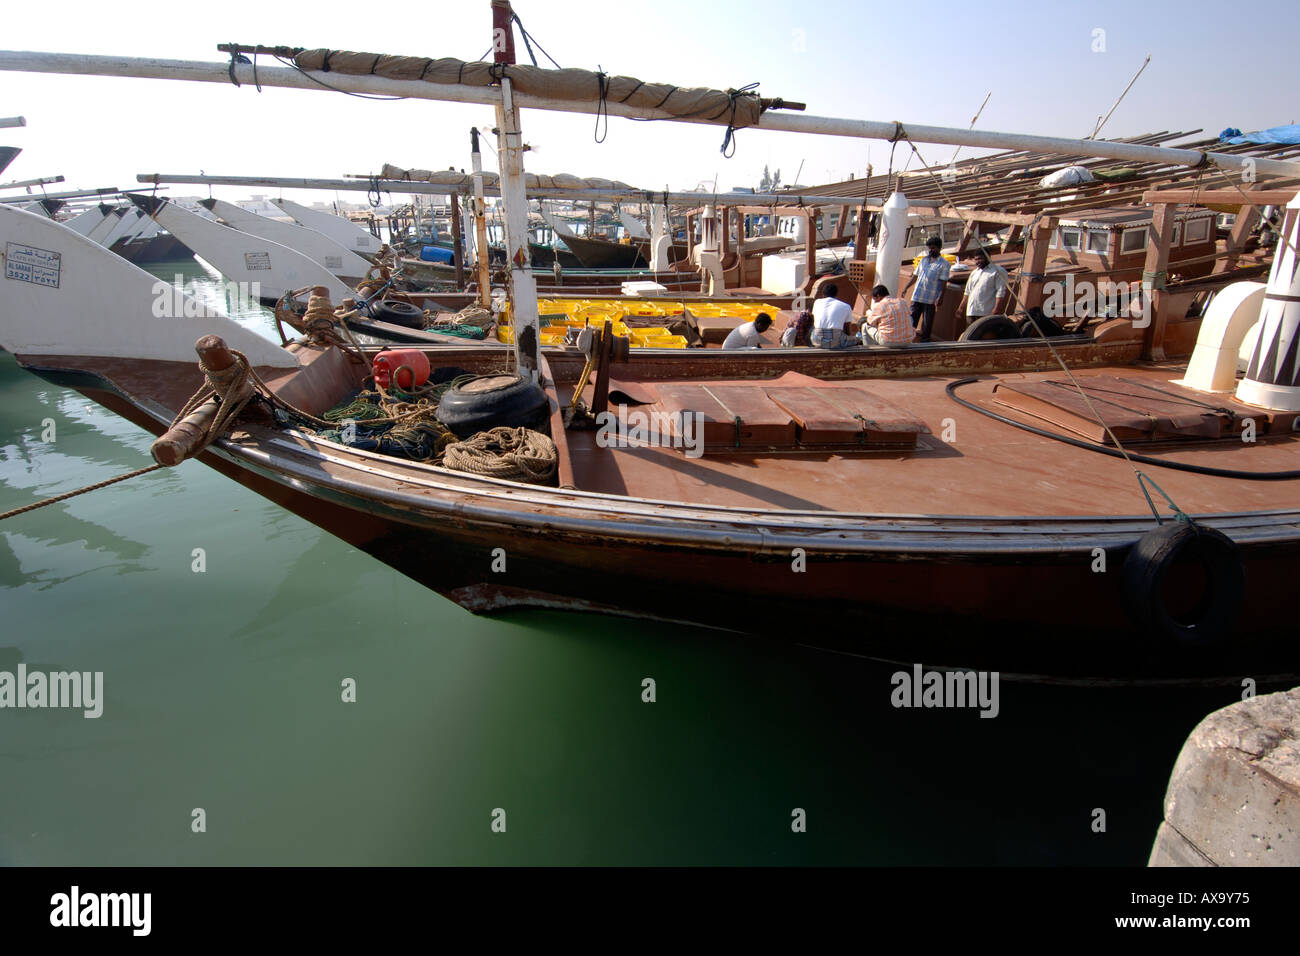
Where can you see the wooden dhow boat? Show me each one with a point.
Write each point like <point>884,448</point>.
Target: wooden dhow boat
<point>882,518</point>
<point>1133,521</point>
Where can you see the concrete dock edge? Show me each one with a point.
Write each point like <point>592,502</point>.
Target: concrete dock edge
<point>1234,794</point>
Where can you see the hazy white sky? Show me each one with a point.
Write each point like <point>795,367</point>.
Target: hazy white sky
<point>918,62</point>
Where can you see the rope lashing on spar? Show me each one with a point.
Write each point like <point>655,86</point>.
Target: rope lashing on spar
<point>235,58</point>
<point>602,105</point>
<point>513,454</point>
<point>899,133</point>
<point>729,138</point>
<point>734,108</point>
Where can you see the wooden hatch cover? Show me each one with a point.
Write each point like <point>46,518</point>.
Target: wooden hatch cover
<point>732,416</point>
<point>846,417</point>
<point>1135,410</point>
<point>792,418</point>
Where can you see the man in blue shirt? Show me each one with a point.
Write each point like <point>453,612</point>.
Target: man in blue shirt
<point>931,278</point>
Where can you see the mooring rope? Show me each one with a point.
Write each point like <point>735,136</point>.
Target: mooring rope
<point>80,491</point>
<point>515,454</point>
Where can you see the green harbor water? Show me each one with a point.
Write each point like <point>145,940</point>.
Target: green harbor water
<point>223,691</point>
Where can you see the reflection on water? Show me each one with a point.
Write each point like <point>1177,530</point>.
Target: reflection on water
<point>223,691</point>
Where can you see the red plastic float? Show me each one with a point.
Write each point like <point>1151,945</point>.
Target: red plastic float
<point>408,367</point>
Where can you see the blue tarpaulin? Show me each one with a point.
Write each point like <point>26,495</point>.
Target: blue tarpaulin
<point>1284,135</point>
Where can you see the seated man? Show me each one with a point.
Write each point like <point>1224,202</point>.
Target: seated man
<point>887,323</point>
<point>798,332</point>
<point>831,318</point>
<point>747,336</point>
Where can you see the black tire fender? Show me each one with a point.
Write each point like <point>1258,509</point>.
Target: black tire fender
<point>397,312</point>
<point>990,327</point>
<point>1146,570</point>
<point>1050,327</point>
<point>492,401</point>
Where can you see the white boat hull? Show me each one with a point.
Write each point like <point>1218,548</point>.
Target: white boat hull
<point>346,234</point>
<point>319,248</point>
<point>265,266</point>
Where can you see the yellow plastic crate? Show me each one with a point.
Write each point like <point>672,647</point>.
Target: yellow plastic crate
<point>663,341</point>
<point>952,260</point>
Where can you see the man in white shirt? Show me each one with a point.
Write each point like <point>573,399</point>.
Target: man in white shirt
<point>830,316</point>
<point>749,335</point>
<point>986,290</point>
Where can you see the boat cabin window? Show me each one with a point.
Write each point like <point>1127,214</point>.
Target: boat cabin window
<point>917,235</point>
<point>1134,240</point>
<point>1098,241</point>
<point>951,232</point>
<point>1071,238</point>
<point>1198,230</point>
<point>1177,236</point>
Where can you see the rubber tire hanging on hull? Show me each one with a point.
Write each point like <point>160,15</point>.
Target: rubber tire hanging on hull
<point>492,401</point>
<point>1146,570</point>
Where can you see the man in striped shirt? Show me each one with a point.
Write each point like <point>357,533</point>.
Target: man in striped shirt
<point>887,323</point>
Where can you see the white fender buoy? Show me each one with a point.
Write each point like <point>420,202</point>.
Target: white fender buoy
<point>893,236</point>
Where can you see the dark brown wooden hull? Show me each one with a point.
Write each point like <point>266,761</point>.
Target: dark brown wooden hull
<point>544,257</point>
<point>160,248</point>
<point>982,610</point>
<point>1014,593</point>
<point>603,254</point>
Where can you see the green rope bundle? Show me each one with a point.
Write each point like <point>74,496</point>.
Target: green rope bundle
<point>462,331</point>
<point>362,408</point>
<point>417,436</point>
